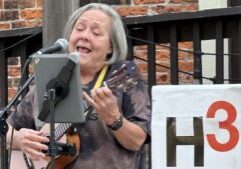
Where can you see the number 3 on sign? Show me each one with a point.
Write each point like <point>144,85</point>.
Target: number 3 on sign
<point>227,124</point>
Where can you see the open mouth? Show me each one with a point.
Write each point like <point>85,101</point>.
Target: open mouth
<point>83,49</point>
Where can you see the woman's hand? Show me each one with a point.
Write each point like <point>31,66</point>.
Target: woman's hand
<point>130,135</point>
<point>105,104</point>
<point>31,142</point>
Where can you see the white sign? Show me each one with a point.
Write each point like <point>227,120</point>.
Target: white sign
<point>196,127</point>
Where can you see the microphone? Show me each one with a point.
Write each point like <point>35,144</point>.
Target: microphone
<point>59,45</point>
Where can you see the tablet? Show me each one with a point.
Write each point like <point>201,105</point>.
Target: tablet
<point>46,68</point>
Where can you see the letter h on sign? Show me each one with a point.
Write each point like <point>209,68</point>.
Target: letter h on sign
<point>173,140</point>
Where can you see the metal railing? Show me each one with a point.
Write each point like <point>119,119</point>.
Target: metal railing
<point>172,28</point>
<point>16,43</point>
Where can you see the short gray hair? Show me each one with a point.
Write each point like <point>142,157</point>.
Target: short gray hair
<point>117,32</point>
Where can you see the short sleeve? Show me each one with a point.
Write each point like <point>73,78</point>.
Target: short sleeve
<point>23,117</point>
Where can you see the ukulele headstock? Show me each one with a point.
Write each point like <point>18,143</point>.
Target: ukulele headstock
<point>123,78</point>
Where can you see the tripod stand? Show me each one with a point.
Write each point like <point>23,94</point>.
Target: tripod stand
<point>4,126</point>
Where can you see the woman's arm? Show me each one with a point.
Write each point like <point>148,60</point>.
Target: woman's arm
<point>130,135</point>
<point>29,141</point>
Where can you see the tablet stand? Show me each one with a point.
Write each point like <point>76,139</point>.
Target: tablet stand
<point>58,90</point>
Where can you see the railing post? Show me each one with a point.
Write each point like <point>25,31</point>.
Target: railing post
<point>151,58</point>
<point>3,77</point>
<point>239,50</point>
<point>197,55</point>
<point>219,51</point>
<point>174,54</point>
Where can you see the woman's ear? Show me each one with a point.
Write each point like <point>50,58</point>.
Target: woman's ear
<point>110,50</point>
<point>108,56</point>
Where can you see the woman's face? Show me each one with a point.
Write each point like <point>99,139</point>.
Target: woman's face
<point>91,38</point>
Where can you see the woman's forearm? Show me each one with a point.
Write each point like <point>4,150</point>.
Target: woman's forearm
<point>130,135</point>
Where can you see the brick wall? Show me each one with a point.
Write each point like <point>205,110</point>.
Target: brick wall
<point>16,14</point>
<point>158,7</point>
<point>28,13</point>
<point>20,13</point>
<point>154,7</point>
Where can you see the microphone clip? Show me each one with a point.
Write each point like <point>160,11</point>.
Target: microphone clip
<point>62,149</point>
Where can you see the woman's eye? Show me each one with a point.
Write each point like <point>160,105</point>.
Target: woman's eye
<point>97,33</point>
<point>79,29</point>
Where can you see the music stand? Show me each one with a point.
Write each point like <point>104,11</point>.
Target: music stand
<point>50,73</point>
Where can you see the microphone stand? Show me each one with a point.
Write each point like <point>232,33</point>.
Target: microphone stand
<point>53,150</point>
<point>4,126</point>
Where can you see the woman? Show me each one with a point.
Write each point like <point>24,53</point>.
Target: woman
<point>115,131</point>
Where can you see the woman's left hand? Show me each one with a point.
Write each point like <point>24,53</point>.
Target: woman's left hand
<point>105,104</point>
<point>130,135</point>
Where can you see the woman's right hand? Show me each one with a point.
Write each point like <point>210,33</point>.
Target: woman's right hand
<point>31,142</point>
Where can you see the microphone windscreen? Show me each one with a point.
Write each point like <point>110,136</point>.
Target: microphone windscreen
<point>63,43</point>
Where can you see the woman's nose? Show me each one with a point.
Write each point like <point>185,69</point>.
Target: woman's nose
<point>85,35</point>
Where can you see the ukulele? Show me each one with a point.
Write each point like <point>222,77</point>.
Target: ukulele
<point>119,80</point>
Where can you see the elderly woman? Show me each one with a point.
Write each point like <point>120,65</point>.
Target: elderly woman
<point>116,130</point>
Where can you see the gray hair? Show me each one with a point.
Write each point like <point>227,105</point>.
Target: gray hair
<point>117,32</point>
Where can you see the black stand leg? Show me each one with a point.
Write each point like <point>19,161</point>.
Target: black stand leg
<point>4,126</point>
<point>53,150</point>
<point>3,133</point>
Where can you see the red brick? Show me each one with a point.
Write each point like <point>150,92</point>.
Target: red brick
<point>185,45</point>
<point>138,2</point>
<point>9,15</point>
<point>162,55</point>
<point>142,47</point>
<point>142,66</point>
<point>185,78</point>
<point>26,4</point>
<point>190,7</point>
<point>14,71</point>
<point>10,4</point>
<point>165,46</point>
<point>4,26</point>
<point>130,11</point>
<point>163,66</point>
<point>176,1</point>
<point>171,9</point>
<point>29,23</point>
<point>141,54</point>
<point>39,3</point>
<point>182,55</point>
<point>159,9</point>
<point>196,1</point>
<point>162,78</point>
<point>186,66</point>
<point>31,14</point>
<point>11,93</point>
<point>1,4</point>
<point>185,55</point>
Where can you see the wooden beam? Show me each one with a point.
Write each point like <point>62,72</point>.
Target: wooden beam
<point>20,32</point>
<point>55,15</point>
